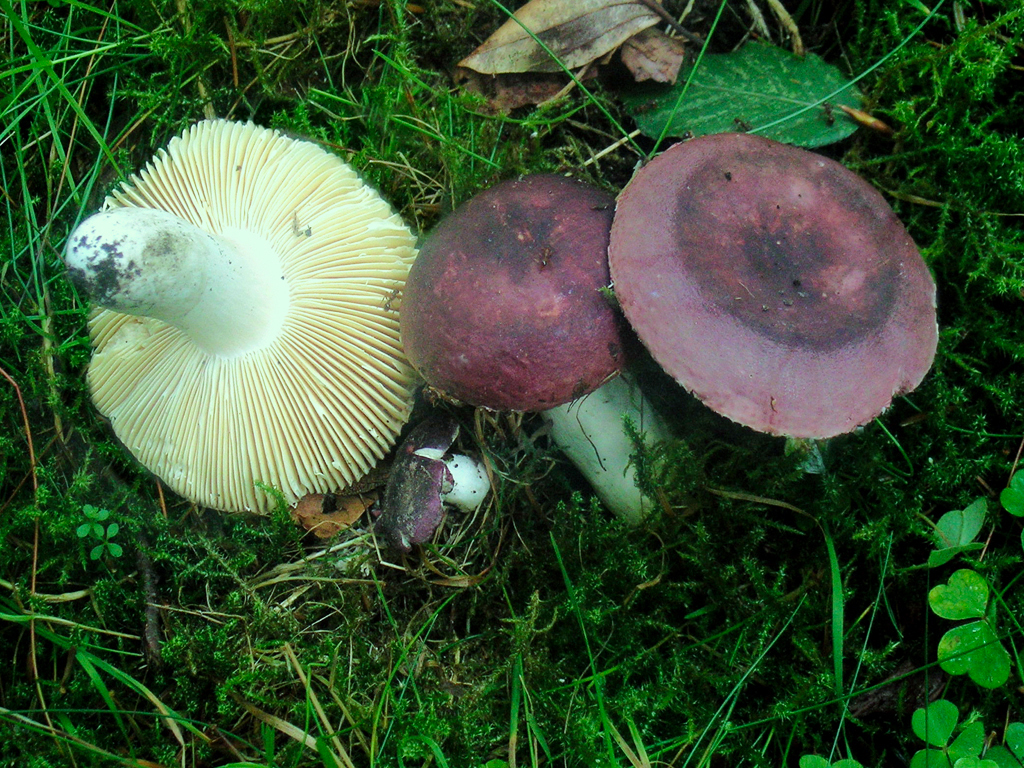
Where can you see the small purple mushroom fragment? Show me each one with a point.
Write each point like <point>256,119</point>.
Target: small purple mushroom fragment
<point>774,284</point>
<point>425,477</point>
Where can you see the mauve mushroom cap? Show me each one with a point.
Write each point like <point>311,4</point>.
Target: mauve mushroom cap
<point>774,284</point>
<point>502,307</point>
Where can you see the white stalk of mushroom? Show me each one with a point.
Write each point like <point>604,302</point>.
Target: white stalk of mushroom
<point>227,292</point>
<point>591,432</point>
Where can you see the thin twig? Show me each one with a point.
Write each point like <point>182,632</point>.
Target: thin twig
<point>787,21</point>
<point>740,496</point>
<point>668,19</point>
<point>28,434</point>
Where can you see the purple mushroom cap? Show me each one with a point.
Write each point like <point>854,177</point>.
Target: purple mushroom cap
<point>773,283</point>
<point>502,307</point>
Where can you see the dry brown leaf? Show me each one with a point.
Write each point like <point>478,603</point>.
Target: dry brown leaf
<point>511,90</point>
<point>653,55</point>
<point>324,519</point>
<point>575,31</point>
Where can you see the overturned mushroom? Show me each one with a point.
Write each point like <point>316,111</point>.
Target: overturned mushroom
<point>249,335</point>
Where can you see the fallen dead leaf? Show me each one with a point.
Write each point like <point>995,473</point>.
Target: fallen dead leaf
<point>512,90</point>
<point>653,55</point>
<point>325,516</point>
<point>575,32</point>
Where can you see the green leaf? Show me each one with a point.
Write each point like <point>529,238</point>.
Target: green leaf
<point>95,513</point>
<point>112,530</point>
<point>1014,738</point>
<point>847,763</point>
<point>114,549</point>
<point>974,762</point>
<point>1002,757</point>
<point>943,556</point>
<point>969,743</point>
<point>963,597</point>
<point>747,89</point>
<point>959,527</point>
<point>935,724</point>
<point>929,758</point>
<point>975,650</point>
<point>97,552</point>
<point>84,530</point>
<point>813,761</point>
<point>1012,497</point>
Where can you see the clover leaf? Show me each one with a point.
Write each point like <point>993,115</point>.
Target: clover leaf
<point>935,724</point>
<point>963,597</point>
<point>1012,497</point>
<point>975,649</point>
<point>815,761</point>
<point>955,532</point>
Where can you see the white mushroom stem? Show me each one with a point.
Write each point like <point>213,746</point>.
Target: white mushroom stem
<point>226,292</point>
<point>469,486</point>
<point>469,483</point>
<point>591,432</point>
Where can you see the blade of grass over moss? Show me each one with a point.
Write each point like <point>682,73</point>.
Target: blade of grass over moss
<point>419,125</point>
<point>909,473</point>
<point>595,676</point>
<point>405,650</point>
<point>721,716</point>
<point>18,720</point>
<point>836,577</point>
<point>43,62</point>
<point>879,597</point>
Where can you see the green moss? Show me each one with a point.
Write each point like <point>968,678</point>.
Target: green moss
<point>709,630</point>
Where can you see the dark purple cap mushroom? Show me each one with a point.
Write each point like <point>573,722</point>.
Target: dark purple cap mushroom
<point>424,477</point>
<point>502,307</point>
<point>773,283</point>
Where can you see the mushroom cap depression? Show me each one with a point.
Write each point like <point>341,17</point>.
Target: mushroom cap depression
<point>773,283</point>
<point>313,408</point>
<point>503,307</point>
